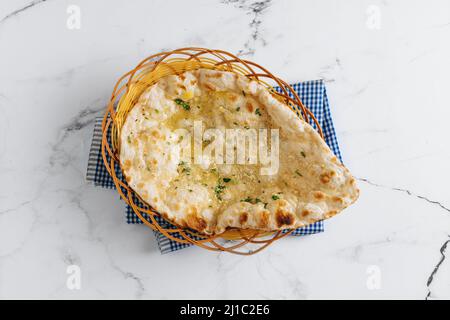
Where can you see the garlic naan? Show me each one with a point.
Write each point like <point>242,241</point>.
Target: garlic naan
<point>310,183</point>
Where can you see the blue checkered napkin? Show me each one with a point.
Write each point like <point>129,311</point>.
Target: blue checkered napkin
<point>313,95</point>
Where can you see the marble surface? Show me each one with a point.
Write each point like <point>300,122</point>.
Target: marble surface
<point>386,64</point>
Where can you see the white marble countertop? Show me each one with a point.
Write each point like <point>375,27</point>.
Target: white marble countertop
<point>386,65</point>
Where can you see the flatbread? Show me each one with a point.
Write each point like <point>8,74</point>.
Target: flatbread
<point>310,183</point>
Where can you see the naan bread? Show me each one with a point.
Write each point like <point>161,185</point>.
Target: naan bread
<point>310,184</point>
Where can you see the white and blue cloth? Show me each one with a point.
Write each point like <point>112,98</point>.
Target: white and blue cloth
<point>314,97</point>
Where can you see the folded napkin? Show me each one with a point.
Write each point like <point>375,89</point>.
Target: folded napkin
<point>314,97</point>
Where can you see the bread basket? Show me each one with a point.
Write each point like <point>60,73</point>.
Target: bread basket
<point>125,95</point>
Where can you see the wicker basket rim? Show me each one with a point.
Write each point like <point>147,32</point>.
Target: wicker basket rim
<point>114,114</point>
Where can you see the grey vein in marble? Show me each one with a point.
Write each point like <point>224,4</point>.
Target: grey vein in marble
<point>408,192</point>
<point>79,122</point>
<point>70,258</point>
<point>256,10</point>
<point>330,68</point>
<point>24,240</point>
<point>16,207</point>
<point>436,268</point>
<point>443,247</point>
<point>20,10</point>
<point>129,275</point>
<point>84,118</point>
<point>297,287</point>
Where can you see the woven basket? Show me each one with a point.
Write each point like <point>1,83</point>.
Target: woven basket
<point>125,95</point>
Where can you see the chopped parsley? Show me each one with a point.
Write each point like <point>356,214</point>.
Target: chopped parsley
<point>251,200</point>
<point>258,112</point>
<point>275,197</point>
<point>226,179</point>
<point>183,104</point>
<point>184,168</point>
<point>129,139</point>
<point>218,190</point>
<point>303,154</point>
<point>238,108</point>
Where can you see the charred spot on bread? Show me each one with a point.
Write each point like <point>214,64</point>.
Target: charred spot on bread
<point>319,195</point>
<point>331,213</point>
<point>243,218</point>
<point>325,178</point>
<point>305,213</point>
<point>283,218</point>
<point>194,221</point>
<point>263,219</point>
